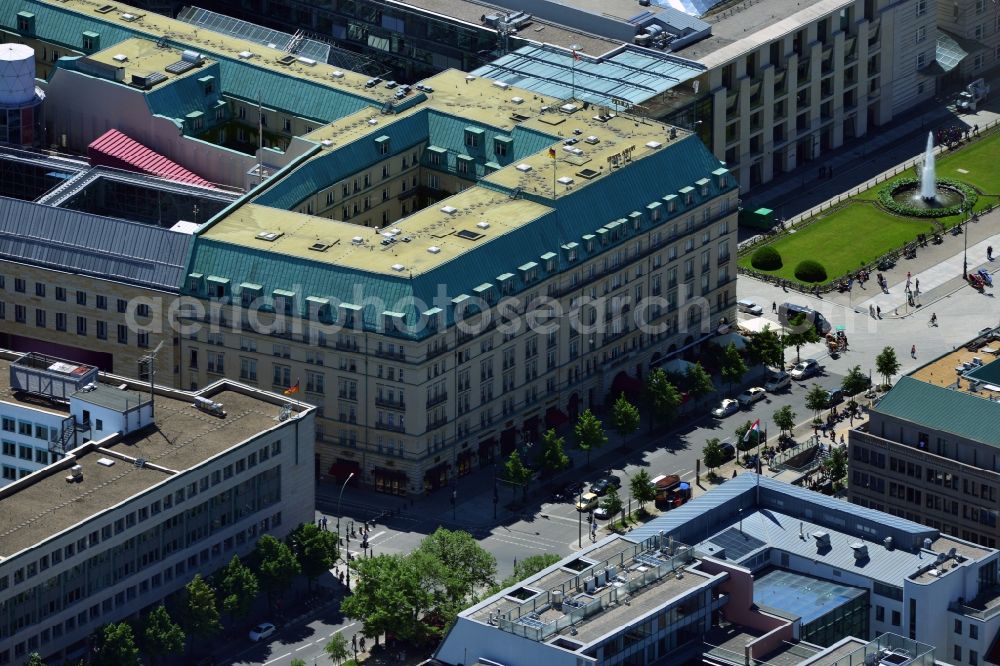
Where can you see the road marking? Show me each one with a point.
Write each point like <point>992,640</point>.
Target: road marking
<point>687,475</point>
<point>568,520</point>
<point>287,654</point>
<point>302,648</point>
<point>343,628</point>
<point>376,536</point>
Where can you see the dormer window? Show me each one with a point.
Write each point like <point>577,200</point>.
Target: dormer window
<point>382,144</point>
<point>703,186</point>
<point>473,137</point>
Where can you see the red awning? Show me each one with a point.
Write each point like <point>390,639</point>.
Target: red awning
<point>555,417</point>
<point>119,151</point>
<point>630,386</point>
<point>344,468</point>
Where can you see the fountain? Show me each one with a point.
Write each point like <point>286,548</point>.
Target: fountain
<point>928,184</point>
<point>927,196</point>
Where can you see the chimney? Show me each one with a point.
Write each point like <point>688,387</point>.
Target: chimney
<point>860,552</point>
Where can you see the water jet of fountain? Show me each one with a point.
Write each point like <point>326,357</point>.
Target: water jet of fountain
<point>928,181</point>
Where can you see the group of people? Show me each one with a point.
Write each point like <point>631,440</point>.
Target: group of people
<point>951,136</point>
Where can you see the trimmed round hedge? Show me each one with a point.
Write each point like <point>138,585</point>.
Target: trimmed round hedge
<point>766,258</point>
<point>969,194</point>
<point>810,271</point>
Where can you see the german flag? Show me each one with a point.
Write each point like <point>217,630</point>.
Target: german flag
<point>552,153</point>
<point>293,389</point>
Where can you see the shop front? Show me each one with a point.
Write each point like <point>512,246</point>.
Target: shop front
<point>465,462</point>
<point>436,477</point>
<point>392,481</point>
<point>487,450</point>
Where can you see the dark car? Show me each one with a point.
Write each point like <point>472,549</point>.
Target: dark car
<point>605,483</point>
<point>728,449</point>
<point>836,396</point>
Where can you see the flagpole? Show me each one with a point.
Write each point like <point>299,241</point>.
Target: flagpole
<point>574,48</point>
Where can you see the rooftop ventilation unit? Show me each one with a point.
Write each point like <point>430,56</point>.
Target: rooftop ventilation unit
<point>308,62</point>
<point>75,474</point>
<point>501,85</point>
<point>209,406</point>
<point>860,551</point>
<point>269,236</point>
<point>319,247</point>
<point>398,267</point>
<point>569,108</point>
<point>434,249</point>
<point>128,17</point>
<point>653,144</point>
<point>928,543</point>
<point>326,142</point>
<point>192,56</point>
<point>337,74</point>
<point>449,210</point>
<point>517,100</point>
<point>483,225</point>
<point>590,585</point>
<point>557,598</point>
<point>523,168</point>
<point>566,180</point>
<point>121,57</point>
<point>887,542</point>
<point>591,140</point>
<point>822,539</point>
<point>105,462</point>
<point>245,55</point>
<point>357,240</point>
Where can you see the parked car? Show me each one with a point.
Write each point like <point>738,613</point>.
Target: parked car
<point>726,407</point>
<point>605,483</point>
<point>805,369</point>
<point>587,502</point>
<point>728,449</point>
<point>601,513</point>
<point>751,395</point>
<point>787,311</point>
<point>262,631</point>
<point>835,397</point>
<point>777,380</point>
<point>749,307</point>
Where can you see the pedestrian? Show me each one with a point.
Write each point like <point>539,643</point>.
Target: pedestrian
<point>774,304</point>
<point>989,253</point>
<point>975,128</point>
<point>871,311</point>
<point>913,351</point>
<point>878,311</point>
<point>841,439</point>
<point>734,473</point>
<point>916,285</point>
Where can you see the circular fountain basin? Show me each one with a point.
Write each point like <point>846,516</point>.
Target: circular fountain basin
<point>945,197</point>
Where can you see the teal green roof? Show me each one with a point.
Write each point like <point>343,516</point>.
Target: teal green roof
<point>578,213</point>
<point>340,162</point>
<point>948,410</point>
<point>239,78</point>
<point>179,98</point>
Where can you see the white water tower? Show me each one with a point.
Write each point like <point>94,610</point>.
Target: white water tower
<point>21,117</point>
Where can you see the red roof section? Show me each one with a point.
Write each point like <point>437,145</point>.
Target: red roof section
<point>114,149</point>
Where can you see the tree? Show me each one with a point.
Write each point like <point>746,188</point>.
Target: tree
<point>201,615</point>
<point>298,662</point>
<point>855,382</point>
<point>524,568</point>
<point>612,502</point>
<point>554,456</point>
<point>336,648</point>
<point>712,455</point>
<point>641,487</point>
<point>733,368</point>
<point>389,597</point>
<point>800,331</point>
<point>465,565</point>
<point>589,433</point>
<point>516,473</point>
<point>663,398</point>
<point>784,418</point>
<point>238,587</point>
<point>765,348</point>
<point>624,417</point>
<point>161,635</point>
<point>886,364</point>
<point>115,646</point>
<point>278,566</point>
<point>817,399</point>
<point>315,549</point>
<point>34,659</point>
<point>699,382</point>
<point>836,465</point>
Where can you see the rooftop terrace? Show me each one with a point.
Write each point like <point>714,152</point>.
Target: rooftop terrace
<point>608,586</point>
<point>44,503</point>
<point>142,57</point>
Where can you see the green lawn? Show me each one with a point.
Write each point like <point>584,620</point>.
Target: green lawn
<point>833,240</point>
<point>861,231</point>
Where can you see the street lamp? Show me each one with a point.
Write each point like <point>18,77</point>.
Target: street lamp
<point>340,497</point>
<point>579,513</point>
<point>965,253</point>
